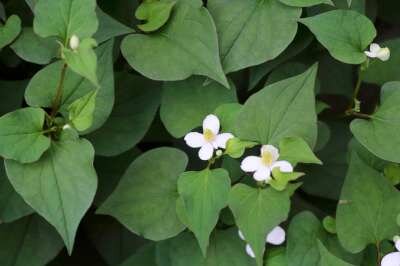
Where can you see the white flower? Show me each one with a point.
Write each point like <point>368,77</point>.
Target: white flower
<point>210,139</point>
<point>275,237</point>
<point>66,126</point>
<point>393,259</point>
<point>375,51</point>
<point>263,166</point>
<point>74,42</point>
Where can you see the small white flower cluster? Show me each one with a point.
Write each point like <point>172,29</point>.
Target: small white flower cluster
<point>393,259</point>
<point>375,51</point>
<point>262,166</point>
<point>275,237</point>
<point>211,140</point>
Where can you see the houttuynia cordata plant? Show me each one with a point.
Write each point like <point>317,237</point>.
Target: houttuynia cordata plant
<point>200,133</point>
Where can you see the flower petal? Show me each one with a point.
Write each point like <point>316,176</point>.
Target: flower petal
<point>276,236</point>
<point>206,152</point>
<point>370,54</point>
<point>384,54</point>
<point>211,122</point>
<point>397,244</point>
<point>241,235</point>
<point>250,252</point>
<point>391,259</point>
<point>272,150</point>
<point>284,166</point>
<point>374,48</point>
<point>251,164</point>
<point>262,174</point>
<point>222,139</point>
<point>194,139</point>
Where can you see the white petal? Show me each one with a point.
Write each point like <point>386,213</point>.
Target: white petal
<point>391,259</point>
<point>241,235</point>
<point>276,236</point>
<point>250,252</point>
<point>206,152</point>
<point>272,150</point>
<point>384,54</point>
<point>284,166</point>
<point>374,48</point>
<point>211,122</point>
<point>195,139</point>
<point>262,174</point>
<point>397,244</point>
<point>251,164</point>
<point>222,139</point>
<point>370,54</point>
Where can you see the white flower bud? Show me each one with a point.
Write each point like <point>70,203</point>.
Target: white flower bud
<point>218,153</point>
<point>74,42</point>
<point>66,126</point>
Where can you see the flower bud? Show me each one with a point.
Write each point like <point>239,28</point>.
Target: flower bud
<point>66,126</point>
<point>74,42</point>
<point>218,153</point>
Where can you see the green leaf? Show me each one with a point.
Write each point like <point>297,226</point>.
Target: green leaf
<point>145,198</point>
<point>238,25</point>
<point>12,206</point>
<point>83,61</point>
<point>9,31</point>
<point>392,172</point>
<point>257,211</point>
<point>226,249</point>
<point>380,72</point>
<point>35,49</point>
<point>296,150</point>
<point>368,208</point>
<point>345,33</point>
<point>236,147</point>
<point>28,241</point>
<point>22,136</point>
<point>64,18</point>
<point>109,27</point>
<point>187,46</point>
<point>328,259</point>
<point>381,131</point>
<point>227,114</point>
<point>276,257</point>
<point>305,234</point>
<point>42,87</point>
<point>326,180</point>
<point>204,194</point>
<point>81,111</point>
<point>156,13</point>
<point>272,114</point>
<point>61,185</point>
<point>301,41</point>
<point>137,101</point>
<point>112,240</point>
<point>281,180</point>
<point>110,170</point>
<point>145,256</point>
<point>306,3</point>
<point>186,103</point>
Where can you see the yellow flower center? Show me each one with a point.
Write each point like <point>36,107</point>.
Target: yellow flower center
<point>208,135</point>
<point>267,158</point>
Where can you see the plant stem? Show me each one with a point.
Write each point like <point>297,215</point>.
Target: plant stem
<point>378,253</point>
<point>358,85</point>
<point>59,92</point>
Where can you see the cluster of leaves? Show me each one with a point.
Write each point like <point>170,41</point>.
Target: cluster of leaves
<point>94,106</point>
